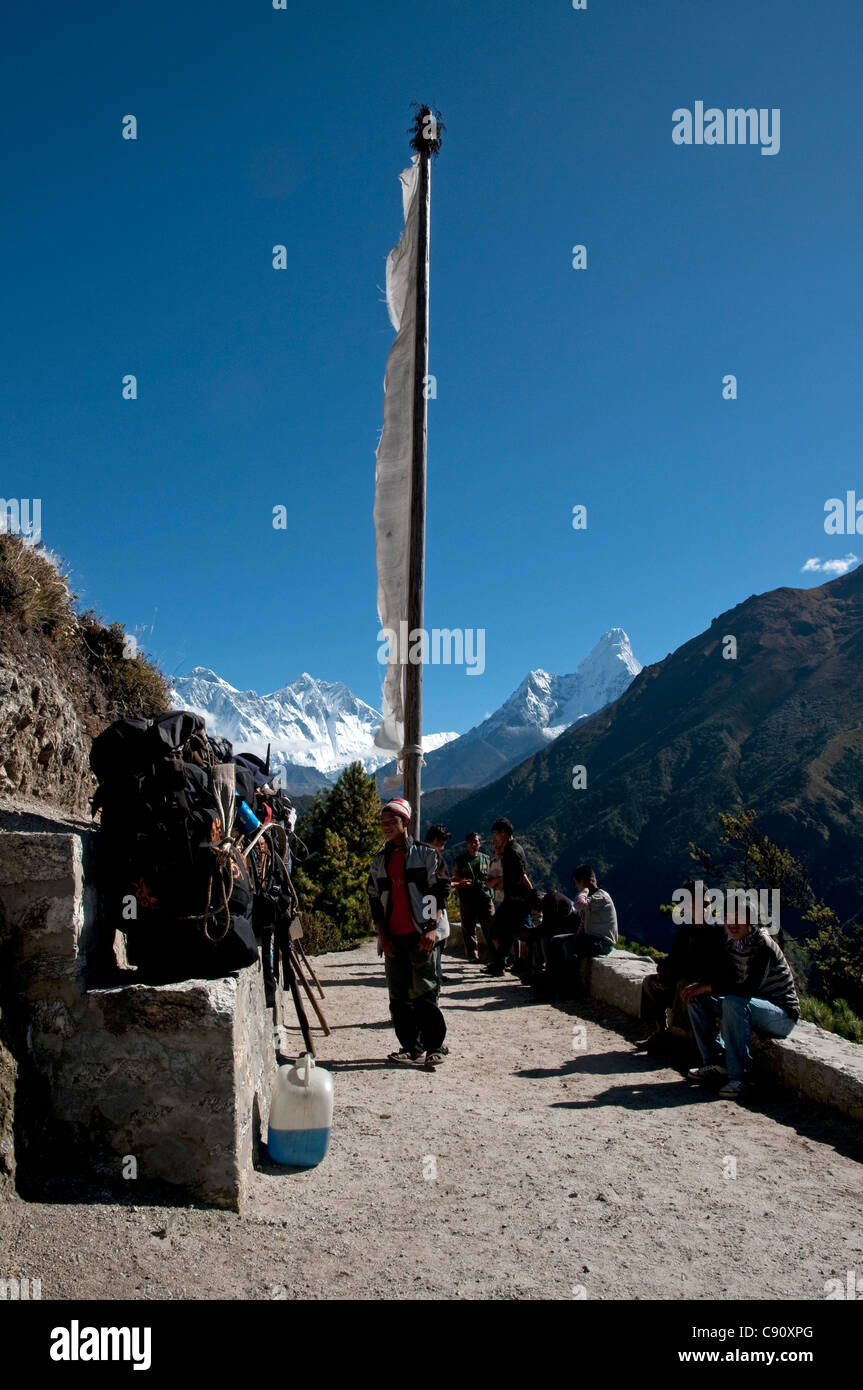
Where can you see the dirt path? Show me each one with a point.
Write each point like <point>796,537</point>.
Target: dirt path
<point>554,1168</point>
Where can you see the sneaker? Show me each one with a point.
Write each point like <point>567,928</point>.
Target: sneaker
<point>713,1071</point>
<point>405,1057</point>
<point>434,1059</point>
<point>733,1090</point>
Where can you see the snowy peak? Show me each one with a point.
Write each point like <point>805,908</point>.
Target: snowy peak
<point>319,725</point>
<point>541,709</point>
<point>552,703</point>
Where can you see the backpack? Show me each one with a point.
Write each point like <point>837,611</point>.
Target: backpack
<point>171,879</point>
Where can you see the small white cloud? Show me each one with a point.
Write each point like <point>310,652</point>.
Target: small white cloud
<point>831,566</point>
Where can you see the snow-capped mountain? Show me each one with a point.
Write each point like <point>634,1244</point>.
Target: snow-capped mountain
<point>316,728</point>
<point>551,704</point>
<point>540,710</point>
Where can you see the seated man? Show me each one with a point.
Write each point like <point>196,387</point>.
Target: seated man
<point>598,928</point>
<point>553,915</point>
<point>594,927</point>
<point>684,963</point>
<point>746,984</point>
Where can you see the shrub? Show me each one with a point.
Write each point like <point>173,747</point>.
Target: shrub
<point>133,685</point>
<point>321,934</point>
<point>34,591</point>
<point>638,949</point>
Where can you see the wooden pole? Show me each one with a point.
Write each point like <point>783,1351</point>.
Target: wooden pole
<point>412,760</point>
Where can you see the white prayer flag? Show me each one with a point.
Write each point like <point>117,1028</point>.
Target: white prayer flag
<point>394,460</point>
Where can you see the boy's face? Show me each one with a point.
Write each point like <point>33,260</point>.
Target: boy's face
<point>393,826</point>
<point>737,930</point>
<point>472,844</point>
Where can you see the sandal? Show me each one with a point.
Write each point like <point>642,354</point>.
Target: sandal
<point>405,1057</point>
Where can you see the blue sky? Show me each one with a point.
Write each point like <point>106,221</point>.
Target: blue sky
<point>555,386</point>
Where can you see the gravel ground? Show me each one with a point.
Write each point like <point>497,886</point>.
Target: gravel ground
<point>526,1167</point>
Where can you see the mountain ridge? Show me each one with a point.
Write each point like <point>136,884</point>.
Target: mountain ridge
<point>779,728</point>
<point>539,710</point>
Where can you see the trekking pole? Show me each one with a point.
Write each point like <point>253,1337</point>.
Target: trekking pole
<point>301,951</point>
<point>295,962</point>
<point>288,971</point>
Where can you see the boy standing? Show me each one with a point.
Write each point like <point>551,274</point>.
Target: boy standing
<point>407,894</point>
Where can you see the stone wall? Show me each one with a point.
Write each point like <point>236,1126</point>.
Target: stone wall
<point>44,737</point>
<point>174,1077</point>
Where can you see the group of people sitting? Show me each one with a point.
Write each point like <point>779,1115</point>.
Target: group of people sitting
<point>732,976</point>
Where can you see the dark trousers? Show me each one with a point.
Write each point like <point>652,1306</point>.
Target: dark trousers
<point>474,914</point>
<point>656,998</point>
<point>566,952</point>
<point>413,989</point>
<point>509,918</point>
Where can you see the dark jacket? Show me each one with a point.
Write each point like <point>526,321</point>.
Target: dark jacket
<point>514,868</point>
<point>757,969</point>
<point>690,955</point>
<point>425,877</point>
<point>558,916</point>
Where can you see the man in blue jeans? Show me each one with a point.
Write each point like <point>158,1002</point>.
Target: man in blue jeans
<point>748,985</point>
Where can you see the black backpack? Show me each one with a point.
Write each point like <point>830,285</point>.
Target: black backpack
<point>170,879</point>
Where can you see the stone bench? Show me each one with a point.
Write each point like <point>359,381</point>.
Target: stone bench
<point>812,1062</point>
<point>166,1082</point>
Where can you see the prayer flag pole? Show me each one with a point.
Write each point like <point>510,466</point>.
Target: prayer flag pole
<point>425,143</point>
<point>400,475</point>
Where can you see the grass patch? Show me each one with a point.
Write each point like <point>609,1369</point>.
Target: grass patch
<point>838,1017</point>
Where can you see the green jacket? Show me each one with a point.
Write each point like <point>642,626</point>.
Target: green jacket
<point>478,886</point>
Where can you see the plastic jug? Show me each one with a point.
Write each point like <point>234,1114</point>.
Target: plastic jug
<point>301,1114</point>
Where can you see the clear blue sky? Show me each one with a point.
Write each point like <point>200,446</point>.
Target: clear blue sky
<point>556,386</point>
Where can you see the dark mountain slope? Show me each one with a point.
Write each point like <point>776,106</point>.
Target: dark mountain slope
<point>779,729</point>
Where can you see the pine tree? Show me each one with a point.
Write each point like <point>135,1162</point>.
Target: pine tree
<point>342,831</point>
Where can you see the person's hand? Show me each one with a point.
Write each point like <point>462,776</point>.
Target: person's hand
<point>426,941</point>
<point>689,992</point>
<point>387,946</point>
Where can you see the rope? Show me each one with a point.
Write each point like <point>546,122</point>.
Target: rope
<point>223,861</point>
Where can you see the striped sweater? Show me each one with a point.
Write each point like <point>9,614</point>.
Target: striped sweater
<point>757,969</point>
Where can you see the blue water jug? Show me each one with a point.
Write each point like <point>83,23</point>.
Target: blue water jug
<point>301,1114</point>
